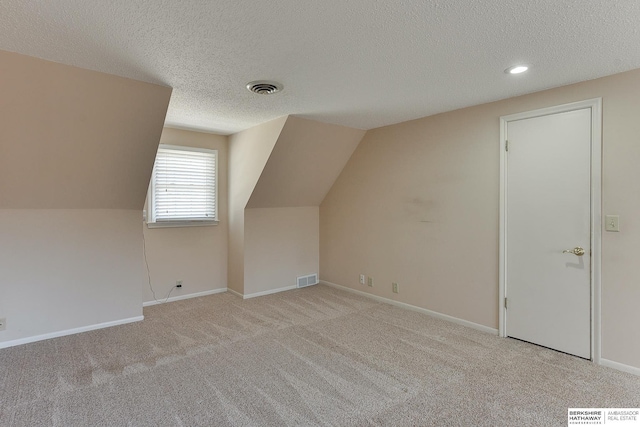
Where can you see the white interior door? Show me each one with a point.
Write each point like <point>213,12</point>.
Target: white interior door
<point>547,213</point>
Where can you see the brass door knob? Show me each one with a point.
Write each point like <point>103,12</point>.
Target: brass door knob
<point>576,251</point>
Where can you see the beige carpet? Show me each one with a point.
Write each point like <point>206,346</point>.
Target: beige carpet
<point>315,356</point>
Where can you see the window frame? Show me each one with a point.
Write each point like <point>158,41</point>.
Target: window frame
<point>148,215</point>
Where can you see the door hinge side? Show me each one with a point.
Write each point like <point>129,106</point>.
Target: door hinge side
<point>506,145</point>
<point>505,303</point>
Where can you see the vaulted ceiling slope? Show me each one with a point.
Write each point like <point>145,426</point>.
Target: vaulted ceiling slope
<point>304,163</point>
<point>357,63</point>
<point>75,139</point>
<point>249,152</point>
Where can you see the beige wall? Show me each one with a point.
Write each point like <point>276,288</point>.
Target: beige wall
<point>281,165</point>
<point>195,255</point>
<point>280,245</point>
<point>75,138</point>
<point>65,269</point>
<point>248,154</point>
<point>76,153</point>
<point>304,163</point>
<point>417,204</point>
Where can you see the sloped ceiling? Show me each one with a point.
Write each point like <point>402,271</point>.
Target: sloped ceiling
<point>73,138</point>
<point>305,162</point>
<point>249,152</point>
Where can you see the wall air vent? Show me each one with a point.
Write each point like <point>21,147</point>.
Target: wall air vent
<point>264,87</point>
<point>309,280</point>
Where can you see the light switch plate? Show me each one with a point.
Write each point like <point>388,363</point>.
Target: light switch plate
<point>612,223</point>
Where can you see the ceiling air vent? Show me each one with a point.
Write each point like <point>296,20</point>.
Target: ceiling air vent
<point>263,87</point>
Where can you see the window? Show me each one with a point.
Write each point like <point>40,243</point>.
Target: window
<point>183,189</point>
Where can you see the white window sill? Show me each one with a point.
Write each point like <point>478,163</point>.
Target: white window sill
<point>174,224</point>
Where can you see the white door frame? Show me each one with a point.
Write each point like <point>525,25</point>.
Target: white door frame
<point>596,211</point>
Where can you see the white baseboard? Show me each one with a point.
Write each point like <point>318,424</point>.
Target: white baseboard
<point>238,294</point>
<point>269,292</point>
<point>620,366</point>
<point>187,296</point>
<point>462,322</point>
<point>42,337</point>
<point>263,293</point>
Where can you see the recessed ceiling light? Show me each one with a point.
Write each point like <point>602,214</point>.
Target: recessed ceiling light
<point>264,87</point>
<point>516,69</point>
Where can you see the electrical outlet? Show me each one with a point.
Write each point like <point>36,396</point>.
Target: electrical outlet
<point>370,282</point>
<point>394,288</point>
<point>3,324</point>
<point>178,283</point>
<point>362,280</point>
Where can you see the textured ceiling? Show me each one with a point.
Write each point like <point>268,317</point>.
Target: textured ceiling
<point>358,63</point>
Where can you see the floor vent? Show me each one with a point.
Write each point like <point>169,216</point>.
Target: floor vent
<point>309,280</point>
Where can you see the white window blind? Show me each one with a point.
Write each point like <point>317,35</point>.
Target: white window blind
<point>183,185</point>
